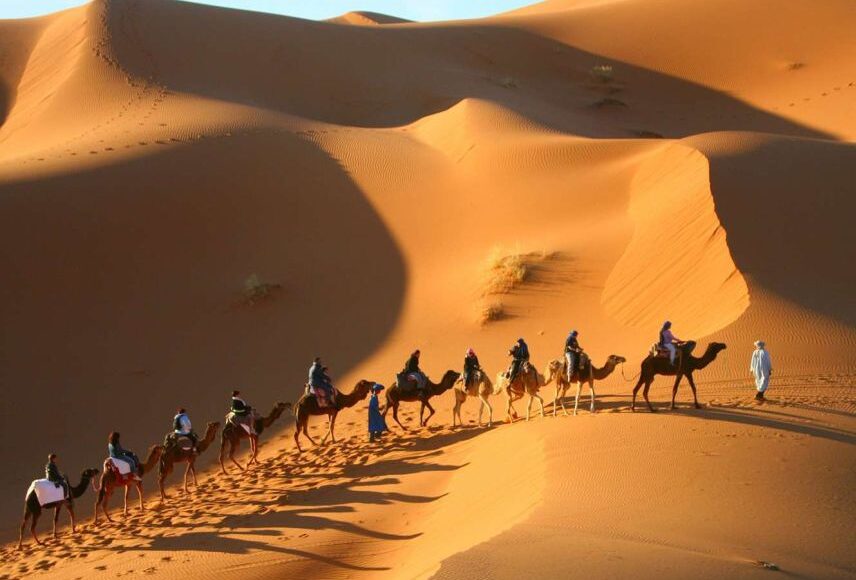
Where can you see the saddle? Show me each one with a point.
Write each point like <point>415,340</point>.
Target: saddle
<point>323,396</point>
<point>245,422</point>
<point>411,383</point>
<point>47,492</point>
<point>180,440</point>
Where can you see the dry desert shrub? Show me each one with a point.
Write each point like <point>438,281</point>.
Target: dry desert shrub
<point>256,290</point>
<point>491,313</point>
<point>602,73</point>
<point>505,272</point>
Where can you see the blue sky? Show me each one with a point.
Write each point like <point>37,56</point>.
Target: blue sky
<point>423,10</point>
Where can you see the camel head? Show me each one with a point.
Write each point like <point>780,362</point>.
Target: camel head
<point>616,359</point>
<point>449,378</point>
<point>553,370</point>
<point>363,388</point>
<point>89,474</point>
<point>716,347</point>
<point>280,407</point>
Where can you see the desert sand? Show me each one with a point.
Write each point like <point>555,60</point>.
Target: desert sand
<point>196,199</point>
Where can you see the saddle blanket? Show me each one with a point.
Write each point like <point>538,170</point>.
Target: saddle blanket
<point>122,466</point>
<point>245,422</point>
<point>46,491</point>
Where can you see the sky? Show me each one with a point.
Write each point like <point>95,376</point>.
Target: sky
<point>422,10</point>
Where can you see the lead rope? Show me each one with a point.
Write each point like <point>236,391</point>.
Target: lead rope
<point>626,380</point>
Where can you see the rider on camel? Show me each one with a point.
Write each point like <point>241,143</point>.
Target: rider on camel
<point>242,412</point>
<point>520,354</point>
<point>669,341</point>
<point>573,352</point>
<point>181,427</point>
<point>116,451</point>
<point>320,384</point>
<point>53,475</point>
<point>412,371</point>
<point>471,365</point>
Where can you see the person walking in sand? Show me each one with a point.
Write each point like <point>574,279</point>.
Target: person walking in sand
<point>761,368</point>
<point>377,425</point>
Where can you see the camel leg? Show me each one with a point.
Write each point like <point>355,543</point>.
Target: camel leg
<point>508,411</point>
<point>33,528</point>
<point>529,406</point>
<point>635,390</point>
<point>330,430</point>
<point>125,508</point>
<point>140,495</point>
<point>675,391</point>
<point>486,403</point>
<point>645,396</point>
<point>430,413</point>
<point>577,399</point>
<point>692,386</point>
<point>456,411</point>
<point>186,473</point>
<point>540,403</point>
<point>55,520</point>
<point>232,455</point>
<point>223,452</point>
<point>70,509</point>
<point>591,390</point>
<point>193,473</point>
<point>395,415</point>
<point>23,525</point>
<point>254,450</point>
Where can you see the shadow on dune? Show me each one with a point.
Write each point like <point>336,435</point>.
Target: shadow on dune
<point>384,76</point>
<point>787,205</point>
<point>122,295</point>
<point>760,417</point>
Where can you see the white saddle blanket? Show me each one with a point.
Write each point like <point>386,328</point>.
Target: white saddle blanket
<point>122,466</point>
<point>46,491</point>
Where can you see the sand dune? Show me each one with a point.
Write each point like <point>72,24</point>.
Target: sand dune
<point>197,199</point>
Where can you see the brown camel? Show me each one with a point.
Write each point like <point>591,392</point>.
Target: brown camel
<point>110,480</point>
<point>232,434</point>
<point>395,395</point>
<point>588,374</point>
<point>308,405</point>
<point>481,387</point>
<point>527,381</point>
<point>176,453</point>
<point>33,510</point>
<point>684,365</point>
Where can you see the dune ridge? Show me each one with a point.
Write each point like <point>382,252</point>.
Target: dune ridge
<point>156,155</point>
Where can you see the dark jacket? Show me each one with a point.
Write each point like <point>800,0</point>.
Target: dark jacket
<point>572,344</point>
<point>317,378</point>
<point>471,363</point>
<point>52,473</point>
<point>520,351</point>
<point>412,365</point>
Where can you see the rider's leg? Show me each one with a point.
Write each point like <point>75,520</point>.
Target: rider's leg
<point>672,352</point>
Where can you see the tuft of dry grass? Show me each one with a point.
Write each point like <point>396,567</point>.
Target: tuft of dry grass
<point>508,82</point>
<point>602,73</point>
<point>609,102</point>
<point>491,313</point>
<point>256,290</point>
<point>505,272</point>
<point>796,65</point>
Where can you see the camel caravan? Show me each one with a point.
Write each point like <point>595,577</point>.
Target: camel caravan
<point>122,469</point>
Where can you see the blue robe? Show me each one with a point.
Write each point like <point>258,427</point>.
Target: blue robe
<point>376,422</point>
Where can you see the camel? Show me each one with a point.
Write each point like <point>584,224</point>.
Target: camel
<point>33,510</point>
<point>395,395</point>
<point>589,374</point>
<point>481,387</point>
<point>177,454</point>
<point>685,366</point>
<point>308,405</point>
<point>528,381</point>
<point>110,480</point>
<point>232,434</point>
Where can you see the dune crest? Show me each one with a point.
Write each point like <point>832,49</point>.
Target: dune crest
<point>677,266</point>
